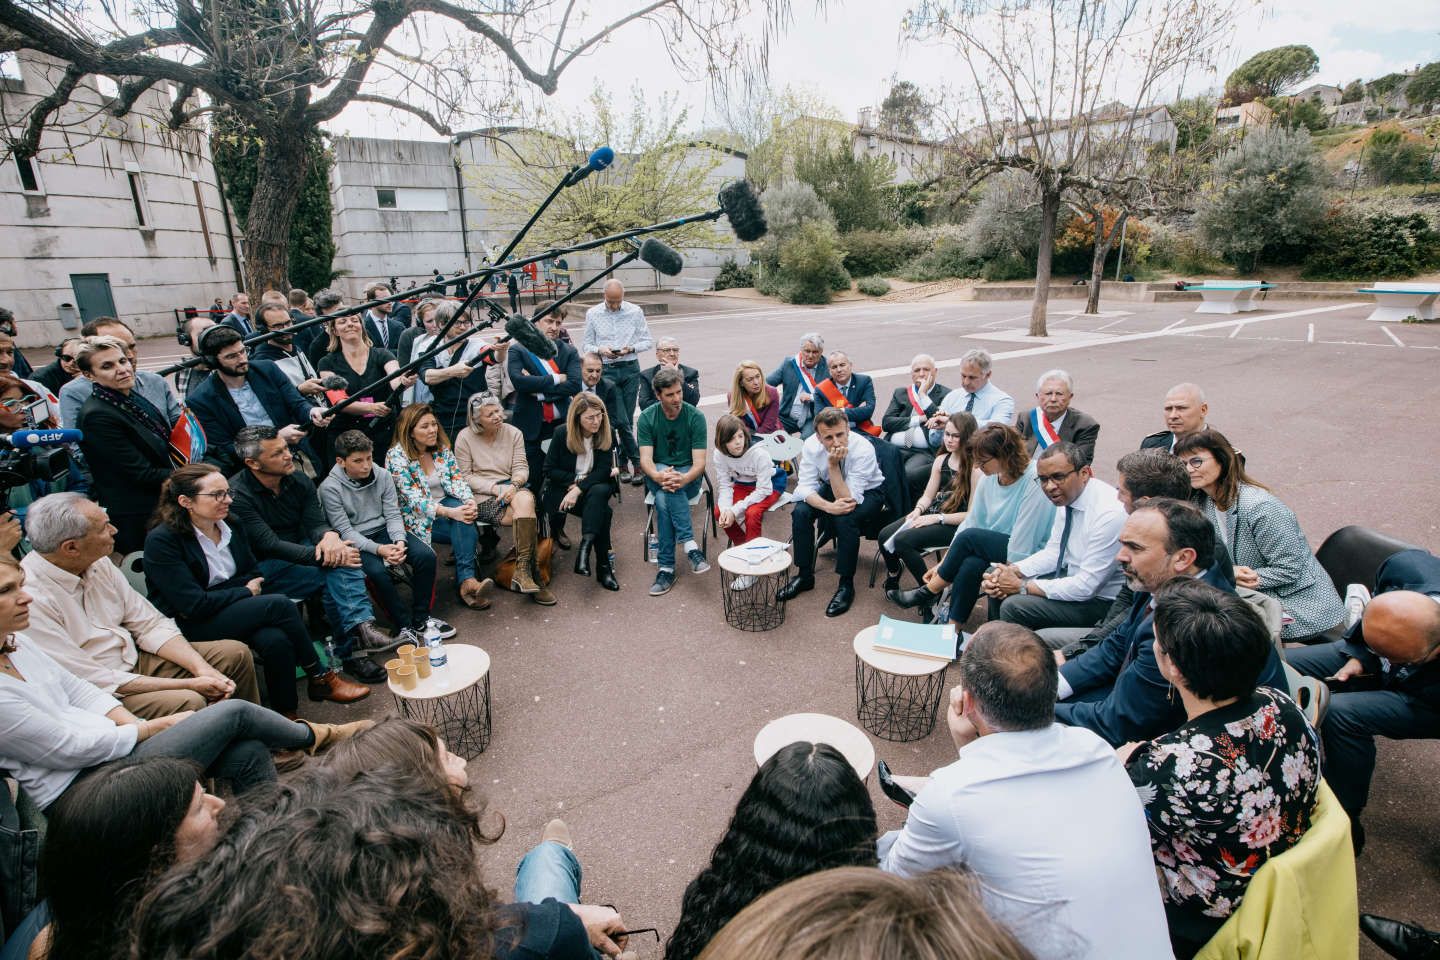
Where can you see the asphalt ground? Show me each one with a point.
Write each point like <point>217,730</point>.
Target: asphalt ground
<point>633,718</point>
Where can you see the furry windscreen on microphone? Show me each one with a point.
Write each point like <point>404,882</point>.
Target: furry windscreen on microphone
<point>742,206</point>
<point>662,257</point>
<point>524,332</point>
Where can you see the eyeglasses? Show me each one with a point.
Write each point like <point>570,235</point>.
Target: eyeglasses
<point>219,495</point>
<point>16,403</point>
<point>1194,463</point>
<point>67,357</point>
<point>1055,478</point>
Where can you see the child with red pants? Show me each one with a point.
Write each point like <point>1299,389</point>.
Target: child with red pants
<point>745,475</point>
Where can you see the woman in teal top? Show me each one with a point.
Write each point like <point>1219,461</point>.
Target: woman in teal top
<point>1009,519</point>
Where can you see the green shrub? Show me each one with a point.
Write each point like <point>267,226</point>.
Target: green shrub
<point>880,252</point>
<point>1008,266</point>
<point>1393,157</point>
<point>873,286</point>
<point>1350,246</point>
<point>811,265</point>
<point>732,275</point>
<point>948,258</point>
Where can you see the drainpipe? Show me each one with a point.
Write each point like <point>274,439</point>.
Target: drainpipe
<point>460,191</point>
<point>225,217</point>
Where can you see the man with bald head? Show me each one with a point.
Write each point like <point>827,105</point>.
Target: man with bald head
<point>616,329</point>
<point>1385,675</point>
<point>1185,412</point>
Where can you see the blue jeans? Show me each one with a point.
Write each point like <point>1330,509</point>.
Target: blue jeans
<point>230,740</point>
<point>341,589</point>
<point>672,517</point>
<point>422,580</point>
<point>461,537</point>
<point>550,869</point>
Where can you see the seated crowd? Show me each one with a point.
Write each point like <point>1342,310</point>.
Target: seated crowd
<point>1131,666</point>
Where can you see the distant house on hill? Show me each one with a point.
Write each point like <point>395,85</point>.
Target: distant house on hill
<point>1112,121</point>
<point>1327,95</point>
<point>1244,117</point>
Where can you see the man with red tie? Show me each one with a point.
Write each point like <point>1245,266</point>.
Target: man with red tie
<point>543,389</point>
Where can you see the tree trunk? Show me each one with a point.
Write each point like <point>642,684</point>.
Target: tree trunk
<point>279,181</point>
<point>1049,213</point>
<point>1103,242</point>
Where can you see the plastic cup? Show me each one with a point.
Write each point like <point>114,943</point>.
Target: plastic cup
<point>406,676</point>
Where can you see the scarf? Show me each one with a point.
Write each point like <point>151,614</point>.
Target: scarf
<point>138,409</point>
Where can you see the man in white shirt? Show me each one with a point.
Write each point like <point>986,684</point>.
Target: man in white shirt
<point>1071,582</point>
<point>976,395</point>
<point>840,485</point>
<point>1068,888</point>
<point>616,329</point>
<point>89,619</point>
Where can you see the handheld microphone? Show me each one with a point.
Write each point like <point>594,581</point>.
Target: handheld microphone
<point>524,332</point>
<point>600,158</point>
<point>662,257</point>
<point>26,439</point>
<point>747,217</point>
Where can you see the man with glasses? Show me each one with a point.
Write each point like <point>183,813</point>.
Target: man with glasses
<point>667,353</point>
<point>1071,581</point>
<point>242,392</point>
<point>62,369</point>
<point>282,351</point>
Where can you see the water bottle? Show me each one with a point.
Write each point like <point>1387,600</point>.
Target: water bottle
<point>652,548</point>
<point>436,648</point>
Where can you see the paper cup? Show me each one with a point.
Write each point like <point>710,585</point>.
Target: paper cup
<point>421,662</point>
<point>391,668</point>
<point>404,650</point>
<point>406,676</point>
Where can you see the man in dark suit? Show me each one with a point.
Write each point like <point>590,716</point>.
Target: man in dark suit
<point>383,329</point>
<point>238,319</point>
<point>913,412</point>
<point>592,379</point>
<point>852,392</point>
<point>543,389</point>
<point>1052,418</point>
<point>1185,412</point>
<point>242,392</point>
<point>1385,675</point>
<point>798,378</point>
<point>667,352</point>
<point>1117,689</point>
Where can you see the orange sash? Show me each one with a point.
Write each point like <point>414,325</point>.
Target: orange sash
<point>831,392</point>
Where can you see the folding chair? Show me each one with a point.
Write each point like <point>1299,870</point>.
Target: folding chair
<point>707,523</point>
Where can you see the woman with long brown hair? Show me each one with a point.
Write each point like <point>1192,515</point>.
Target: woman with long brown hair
<point>578,470</point>
<point>351,356</point>
<point>1264,538</point>
<point>201,571</point>
<point>941,508</point>
<point>753,400</point>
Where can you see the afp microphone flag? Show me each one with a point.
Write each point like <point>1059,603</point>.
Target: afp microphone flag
<point>187,439</point>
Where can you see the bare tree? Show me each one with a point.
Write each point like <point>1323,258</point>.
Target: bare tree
<point>1048,83</point>
<point>284,67</point>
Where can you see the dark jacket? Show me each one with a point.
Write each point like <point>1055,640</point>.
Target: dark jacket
<point>245,326</point>
<point>451,398</point>
<point>1138,704</point>
<point>526,374</point>
<point>1078,428</point>
<point>1417,570</point>
<point>280,527</point>
<point>860,394</point>
<point>394,329</point>
<point>560,468</point>
<point>898,414</point>
<point>690,389</point>
<point>215,409</point>
<point>52,375</point>
<point>128,463</point>
<point>788,380</point>
<point>178,577</point>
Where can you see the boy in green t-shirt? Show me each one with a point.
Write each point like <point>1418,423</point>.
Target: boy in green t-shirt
<point>671,435</point>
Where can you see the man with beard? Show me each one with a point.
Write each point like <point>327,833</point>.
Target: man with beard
<point>282,351</point>
<point>242,392</point>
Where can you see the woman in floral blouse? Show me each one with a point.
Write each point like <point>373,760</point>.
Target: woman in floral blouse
<point>1235,784</point>
<point>435,500</point>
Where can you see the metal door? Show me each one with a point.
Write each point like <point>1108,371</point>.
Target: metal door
<point>92,295</point>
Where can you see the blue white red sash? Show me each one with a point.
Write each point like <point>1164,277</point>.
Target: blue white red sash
<point>1044,432</point>
<point>547,409</point>
<point>920,401</point>
<point>752,415</point>
<point>805,378</point>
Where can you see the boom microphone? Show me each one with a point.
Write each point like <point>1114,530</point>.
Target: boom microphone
<point>25,439</point>
<point>747,216</point>
<point>600,158</point>
<point>662,257</point>
<point>524,332</point>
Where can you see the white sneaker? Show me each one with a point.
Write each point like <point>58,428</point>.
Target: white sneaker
<point>1356,597</point>
<point>742,582</point>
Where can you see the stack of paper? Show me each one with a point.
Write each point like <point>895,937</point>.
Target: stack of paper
<point>933,640</point>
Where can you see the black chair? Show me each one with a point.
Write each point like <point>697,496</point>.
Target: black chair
<point>1354,554</point>
<point>897,496</point>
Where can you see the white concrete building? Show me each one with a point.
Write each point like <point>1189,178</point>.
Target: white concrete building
<point>915,158</point>
<point>114,216</point>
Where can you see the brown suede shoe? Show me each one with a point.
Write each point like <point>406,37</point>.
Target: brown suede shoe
<point>335,688</point>
<point>329,734</point>
<point>544,596</point>
<point>472,593</point>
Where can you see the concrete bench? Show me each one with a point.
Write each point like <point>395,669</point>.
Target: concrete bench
<point>1227,296</point>
<point>1397,302</point>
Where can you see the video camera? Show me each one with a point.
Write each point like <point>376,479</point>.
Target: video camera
<point>28,455</point>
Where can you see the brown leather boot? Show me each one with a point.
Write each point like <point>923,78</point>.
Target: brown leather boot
<point>544,596</point>
<point>335,688</point>
<point>524,579</point>
<point>329,734</point>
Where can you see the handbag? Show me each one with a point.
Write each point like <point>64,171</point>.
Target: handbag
<point>544,553</point>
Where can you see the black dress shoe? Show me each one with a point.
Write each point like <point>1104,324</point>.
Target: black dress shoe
<point>582,556</point>
<point>605,574</point>
<point>892,582</point>
<point>909,599</point>
<point>1404,940</point>
<point>890,788</point>
<point>364,669</point>
<point>840,603</point>
<point>561,541</point>
<point>794,587</point>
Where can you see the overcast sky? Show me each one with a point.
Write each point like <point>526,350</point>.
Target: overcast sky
<point>849,53</point>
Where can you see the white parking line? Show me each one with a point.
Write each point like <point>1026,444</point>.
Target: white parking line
<point>1310,333</point>
<point>1107,326</point>
<point>1391,334</point>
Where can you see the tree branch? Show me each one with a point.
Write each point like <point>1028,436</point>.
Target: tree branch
<point>132,90</point>
<point>29,142</point>
<point>430,119</point>
<point>387,18</point>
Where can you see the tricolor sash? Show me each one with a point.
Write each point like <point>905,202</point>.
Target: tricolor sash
<point>1042,428</point>
<point>920,401</point>
<point>831,392</point>
<point>547,409</point>
<point>753,415</point>
<point>805,378</point>
<point>187,439</point>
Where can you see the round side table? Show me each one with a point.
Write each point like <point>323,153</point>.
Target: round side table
<point>454,699</point>
<point>896,695</point>
<point>816,728</point>
<point>754,606</point>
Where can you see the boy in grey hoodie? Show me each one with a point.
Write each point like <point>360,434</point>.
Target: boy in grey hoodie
<point>361,505</point>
